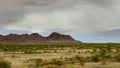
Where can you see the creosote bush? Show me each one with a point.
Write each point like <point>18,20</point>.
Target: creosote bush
<point>52,66</point>
<point>117,58</point>
<point>80,60</point>
<point>28,52</point>
<point>38,62</point>
<point>47,63</point>
<point>58,62</point>
<point>77,59</point>
<point>5,64</point>
<point>96,58</point>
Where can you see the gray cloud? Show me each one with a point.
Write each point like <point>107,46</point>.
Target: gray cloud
<point>100,2</point>
<point>75,17</point>
<point>110,33</point>
<point>14,10</point>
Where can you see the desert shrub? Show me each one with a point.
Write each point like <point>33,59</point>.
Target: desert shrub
<point>107,56</point>
<point>28,52</point>
<point>96,58</point>
<point>80,60</point>
<point>5,64</point>
<point>77,57</point>
<point>74,50</point>
<point>13,56</point>
<point>69,60</point>
<point>45,51</point>
<point>38,62</point>
<point>78,52</point>
<point>69,51</point>
<point>117,58</point>
<point>52,66</point>
<point>58,62</point>
<point>55,51</point>
<point>106,61</point>
<point>51,63</point>
<point>5,50</point>
<point>34,63</point>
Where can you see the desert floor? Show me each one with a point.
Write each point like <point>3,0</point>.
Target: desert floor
<point>19,61</point>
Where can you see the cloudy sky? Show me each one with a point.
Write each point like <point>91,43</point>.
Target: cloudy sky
<point>85,20</point>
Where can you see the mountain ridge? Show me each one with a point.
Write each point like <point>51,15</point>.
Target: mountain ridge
<point>36,38</point>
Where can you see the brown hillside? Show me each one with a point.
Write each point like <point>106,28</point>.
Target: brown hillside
<point>36,38</point>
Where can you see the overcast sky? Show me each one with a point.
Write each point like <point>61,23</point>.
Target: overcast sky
<point>85,20</point>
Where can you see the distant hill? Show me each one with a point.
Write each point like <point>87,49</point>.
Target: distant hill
<point>35,38</point>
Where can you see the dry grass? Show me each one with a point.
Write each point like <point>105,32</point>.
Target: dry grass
<point>63,58</point>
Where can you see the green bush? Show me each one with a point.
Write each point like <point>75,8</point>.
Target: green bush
<point>28,52</point>
<point>51,66</point>
<point>5,64</point>
<point>58,62</point>
<point>117,58</point>
<point>96,58</point>
<point>38,62</point>
<point>80,60</point>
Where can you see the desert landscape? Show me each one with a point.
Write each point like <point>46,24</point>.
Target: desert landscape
<point>57,51</point>
<point>61,56</point>
<point>59,33</point>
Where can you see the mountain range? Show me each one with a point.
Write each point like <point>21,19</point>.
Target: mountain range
<point>35,38</point>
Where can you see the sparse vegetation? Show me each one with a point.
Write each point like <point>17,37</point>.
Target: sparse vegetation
<point>72,54</point>
<point>57,62</point>
<point>5,64</point>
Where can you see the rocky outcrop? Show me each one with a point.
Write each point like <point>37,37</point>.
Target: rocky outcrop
<point>60,37</point>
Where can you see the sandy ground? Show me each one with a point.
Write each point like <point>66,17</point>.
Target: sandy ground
<point>18,61</point>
